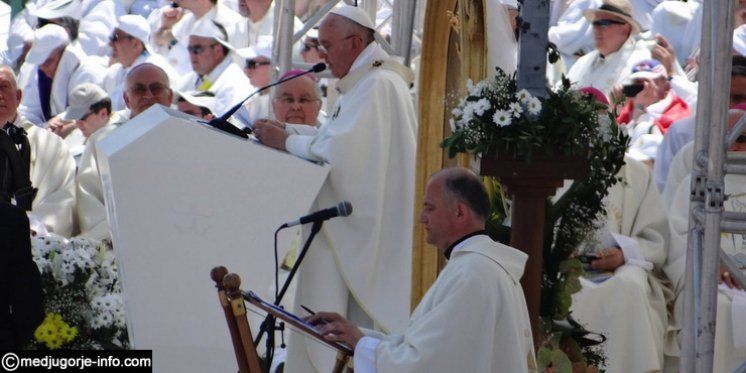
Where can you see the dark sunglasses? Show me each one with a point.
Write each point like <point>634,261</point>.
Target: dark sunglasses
<point>253,64</point>
<point>307,47</point>
<point>607,23</point>
<point>198,49</point>
<point>117,37</point>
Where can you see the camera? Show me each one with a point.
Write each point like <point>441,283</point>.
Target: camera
<point>631,90</point>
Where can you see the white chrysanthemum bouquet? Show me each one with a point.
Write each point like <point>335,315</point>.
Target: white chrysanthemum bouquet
<point>82,297</point>
<point>495,117</point>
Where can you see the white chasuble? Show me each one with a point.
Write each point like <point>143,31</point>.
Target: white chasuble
<point>728,356</point>
<point>629,308</point>
<point>473,318</point>
<point>90,208</point>
<point>369,141</point>
<point>53,174</point>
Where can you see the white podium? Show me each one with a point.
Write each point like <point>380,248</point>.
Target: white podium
<point>182,198</point>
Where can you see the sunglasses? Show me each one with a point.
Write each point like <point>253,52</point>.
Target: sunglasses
<point>607,23</point>
<point>307,47</point>
<point>198,49</point>
<point>117,37</point>
<point>140,89</point>
<point>253,64</point>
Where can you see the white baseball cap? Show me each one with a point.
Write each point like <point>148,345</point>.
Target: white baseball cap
<point>739,40</point>
<point>262,47</point>
<point>208,28</point>
<point>205,99</point>
<point>81,98</point>
<point>354,14</point>
<point>46,39</point>
<point>135,25</point>
<point>58,9</point>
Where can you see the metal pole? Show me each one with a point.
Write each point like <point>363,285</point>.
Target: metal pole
<point>532,51</point>
<point>696,198</point>
<point>722,29</point>
<point>401,29</point>
<point>282,53</point>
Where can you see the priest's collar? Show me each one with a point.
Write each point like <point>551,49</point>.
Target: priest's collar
<point>456,243</point>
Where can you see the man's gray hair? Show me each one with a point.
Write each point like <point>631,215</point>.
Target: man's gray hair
<point>462,185</point>
<point>11,72</point>
<point>316,89</point>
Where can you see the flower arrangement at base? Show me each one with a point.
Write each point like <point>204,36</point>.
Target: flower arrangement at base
<point>495,119</point>
<point>82,296</point>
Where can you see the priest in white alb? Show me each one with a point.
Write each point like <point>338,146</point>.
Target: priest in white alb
<point>359,266</point>
<point>474,317</point>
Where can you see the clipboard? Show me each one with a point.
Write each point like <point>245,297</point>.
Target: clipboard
<point>294,320</point>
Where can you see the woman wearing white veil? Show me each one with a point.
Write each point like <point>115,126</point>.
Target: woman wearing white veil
<point>502,46</point>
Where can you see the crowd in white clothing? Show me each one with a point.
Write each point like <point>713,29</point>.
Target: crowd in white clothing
<point>75,60</point>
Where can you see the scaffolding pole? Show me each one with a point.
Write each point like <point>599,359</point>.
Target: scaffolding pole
<point>707,189</point>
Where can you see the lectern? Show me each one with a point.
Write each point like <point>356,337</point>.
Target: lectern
<point>182,198</point>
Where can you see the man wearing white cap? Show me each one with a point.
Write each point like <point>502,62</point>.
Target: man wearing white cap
<point>648,113</point>
<point>90,108</point>
<point>172,34</point>
<point>52,170</point>
<point>361,266</point>
<point>213,68</point>
<point>616,49</point>
<point>61,67</point>
<point>258,68</point>
<point>196,103</point>
<point>129,46</point>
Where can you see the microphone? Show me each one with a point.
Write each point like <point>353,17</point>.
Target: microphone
<point>222,123</point>
<point>344,208</point>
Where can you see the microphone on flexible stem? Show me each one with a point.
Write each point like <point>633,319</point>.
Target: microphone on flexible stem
<point>222,123</point>
<point>344,208</point>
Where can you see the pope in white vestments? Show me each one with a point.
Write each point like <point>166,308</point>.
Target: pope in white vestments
<point>474,317</point>
<point>359,266</point>
<point>629,308</point>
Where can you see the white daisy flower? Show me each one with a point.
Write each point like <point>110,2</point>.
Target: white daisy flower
<point>534,105</point>
<point>523,96</point>
<point>502,118</point>
<point>516,109</point>
<point>481,106</point>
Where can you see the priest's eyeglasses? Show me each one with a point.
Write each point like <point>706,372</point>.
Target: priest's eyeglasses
<point>115,37</point>
<point>302,101</point>
<point>325,48</point>
<point>607,23</point>
<point>140,89</point>
<point>198,49</point>
<point>253,64</point>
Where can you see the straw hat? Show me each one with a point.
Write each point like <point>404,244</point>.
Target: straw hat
<point>618,8</point>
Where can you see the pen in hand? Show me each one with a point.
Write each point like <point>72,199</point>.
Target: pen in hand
<point>320,322</point>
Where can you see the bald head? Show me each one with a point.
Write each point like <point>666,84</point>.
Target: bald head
<point>10,95</point>
<point>455,204</point>
<point>146,84</point>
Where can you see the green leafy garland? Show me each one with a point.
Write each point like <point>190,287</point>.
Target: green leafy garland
<point>567,124</point>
